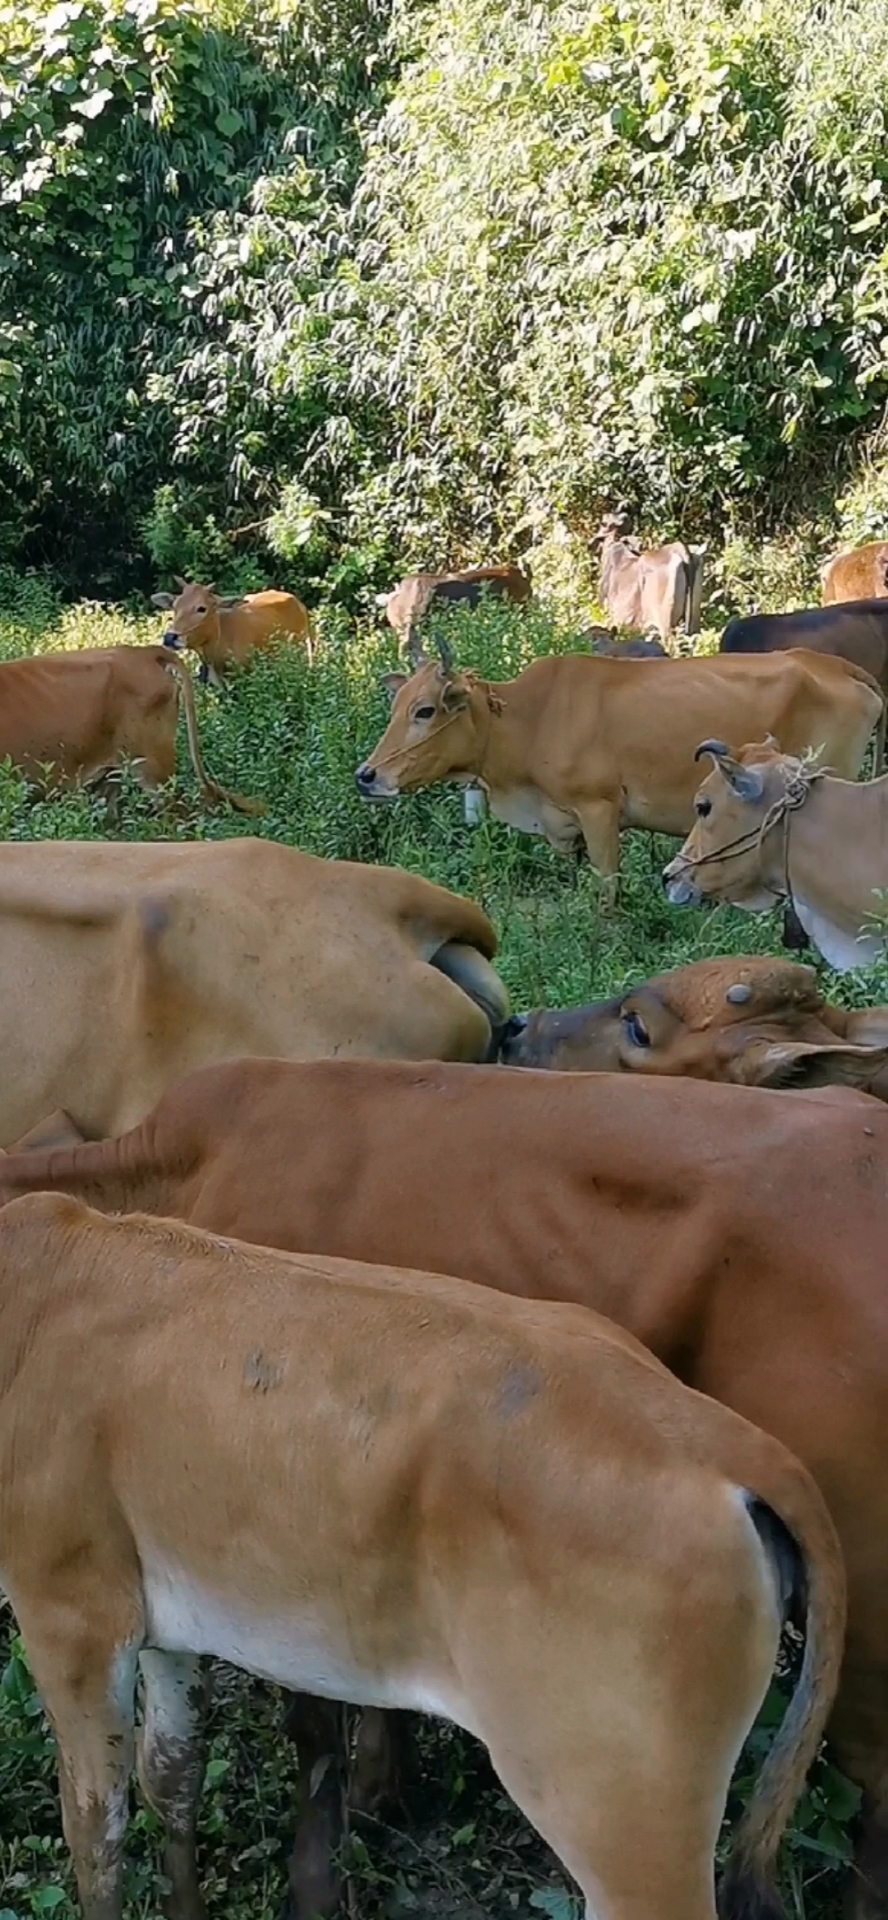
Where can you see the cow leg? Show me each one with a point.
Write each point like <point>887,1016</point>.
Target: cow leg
<point>86,1674</point>
<point>600,823</point>
<point>170,1758</point>
<point>384,1759</point>
<point>857,1738</point>
<point>318,1730</point>
<point>794,937</point>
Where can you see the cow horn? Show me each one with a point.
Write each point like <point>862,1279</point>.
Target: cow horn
<point>737,996</point>
<point>414,650</point>
<point>180,583</point>
<point>716,747</point>
<point>446,651</point>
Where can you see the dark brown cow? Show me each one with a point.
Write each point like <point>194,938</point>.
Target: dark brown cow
<point>406,607</point>
<point>753,1021</point>
<point>68,718</point>
<point>741,1234</point>
<point>857,631</point>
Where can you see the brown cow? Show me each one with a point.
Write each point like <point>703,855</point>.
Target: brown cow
<point>859,573</point>
<point>577,748</point>
<point>646,587</point>
<point>224,633</point>
<point>770,828</point>
<point>68,718</point>
<point>739,1233</point>
<point>407,606</point>
<point>753,1021</point>
<point>329,1474</point>
<point>125,964</point>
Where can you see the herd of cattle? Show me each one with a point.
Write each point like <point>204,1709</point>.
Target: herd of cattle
<point>334,1347</point>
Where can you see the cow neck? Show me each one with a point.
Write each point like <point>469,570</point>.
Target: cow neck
<point>832,895</point>
<point>499,745</point>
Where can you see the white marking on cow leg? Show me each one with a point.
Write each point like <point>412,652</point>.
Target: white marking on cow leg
<point>171,1764</point>
<point>474,806</point>
<point>90,1703</point>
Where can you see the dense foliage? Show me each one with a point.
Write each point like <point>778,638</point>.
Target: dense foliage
<point>425,283</point>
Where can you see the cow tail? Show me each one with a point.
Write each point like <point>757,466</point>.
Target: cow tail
<point>212,792</point>
<point>802,1547</point>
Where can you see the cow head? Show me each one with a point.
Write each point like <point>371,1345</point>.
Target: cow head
<point>751,1022</point>
<point>194,614</point>
<point>434,732</point>
<point>730,852</point>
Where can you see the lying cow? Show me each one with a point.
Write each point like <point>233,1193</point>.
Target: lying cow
<point>606,644</point>
<point>645,587</point>
<point>577,748</point>
<point>67,719</point>
<point>755,1021</point>
<point>407,606</point>
<point>772,829</point>
<point>739,1233</point>
<point>860,573</point>
<point>224,633</point>
<point>856,631</point>
<point>329,1474</point>
<point>126,964</point>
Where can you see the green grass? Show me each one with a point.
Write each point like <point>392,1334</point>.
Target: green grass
<point>294,736</point>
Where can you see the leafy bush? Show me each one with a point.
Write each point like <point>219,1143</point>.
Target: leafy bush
<point>632,248</point>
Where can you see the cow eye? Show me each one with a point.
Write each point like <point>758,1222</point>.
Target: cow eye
<point>703,809</point>
<point>201,609</point>
<point>636,1031</point>
<point>424,713</point>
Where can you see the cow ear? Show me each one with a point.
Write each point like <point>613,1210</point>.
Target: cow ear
<point>163,601</point>
<point>455,694</point>
<point>800,1063</point>
<point>393,682</point>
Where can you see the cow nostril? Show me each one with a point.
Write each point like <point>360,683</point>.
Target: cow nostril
<point>516,1025</point>
<point>365,775</point>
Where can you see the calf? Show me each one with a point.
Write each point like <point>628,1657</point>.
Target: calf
<point>739,1233</point>
<point>224,633</point>
<point>860,573</point>
<point>68,718</point>
<point>407,606</point>
<point>403,1489</point>
<point>577,748</point>
<point>754,1021</point>
<point>770,828</point>
<point>649,587</point>
<point>856,631</point>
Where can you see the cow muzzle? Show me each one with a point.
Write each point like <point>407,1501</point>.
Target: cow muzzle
<point>680,890</point>
<point>172,639</point>
<point>372,785</point>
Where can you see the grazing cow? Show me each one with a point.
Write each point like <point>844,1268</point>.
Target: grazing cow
<point>649,586</point>
<point>126,964</point>
<point>755,1021</point>
<point>67,719</point>
<point>224,633</point>
<point>739,1233</point>
<point>577,748</point>
<point>770,828</point>
<point>406,607</point>
<point>329,1474</point>
<point>856,631</point>
<point>860,573</point>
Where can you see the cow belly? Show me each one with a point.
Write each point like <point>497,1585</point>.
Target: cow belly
<point>291,1645</point>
